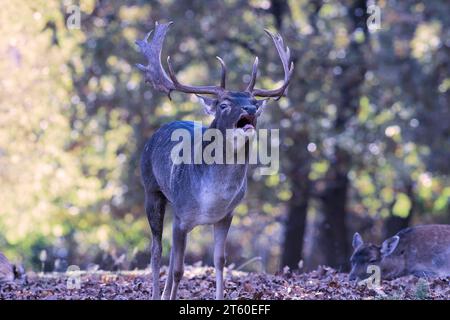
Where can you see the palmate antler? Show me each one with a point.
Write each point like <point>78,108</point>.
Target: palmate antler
<point>285,56</point>
<point>158,78</point>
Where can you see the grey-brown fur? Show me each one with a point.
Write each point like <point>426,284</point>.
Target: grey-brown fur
<point>421,250</point>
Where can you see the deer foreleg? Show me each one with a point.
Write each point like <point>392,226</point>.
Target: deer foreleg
<point>220,235</point>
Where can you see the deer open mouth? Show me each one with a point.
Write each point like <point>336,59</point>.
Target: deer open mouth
<point>246,122</point>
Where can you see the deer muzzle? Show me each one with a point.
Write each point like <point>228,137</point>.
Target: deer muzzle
<point>246,122</point>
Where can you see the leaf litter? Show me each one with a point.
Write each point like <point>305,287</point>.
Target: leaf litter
<point>199,283</point>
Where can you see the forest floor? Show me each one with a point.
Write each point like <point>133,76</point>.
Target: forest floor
<point>199,283</point>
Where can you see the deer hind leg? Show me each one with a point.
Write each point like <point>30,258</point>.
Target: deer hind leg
<point>177,257</point>
<point>155,204</point>
<point>220,235</point>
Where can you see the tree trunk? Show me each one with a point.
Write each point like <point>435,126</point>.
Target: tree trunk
<point>333,236</point>
<point>296,222</point>
<point>297,168</point>
<point>334,205</point>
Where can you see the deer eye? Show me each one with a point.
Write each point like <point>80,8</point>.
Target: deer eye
<point>223,106</point>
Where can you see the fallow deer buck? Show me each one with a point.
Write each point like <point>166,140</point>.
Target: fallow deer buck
<point>199,193</point>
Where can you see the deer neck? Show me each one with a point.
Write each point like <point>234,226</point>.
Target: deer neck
<point>229,150</point>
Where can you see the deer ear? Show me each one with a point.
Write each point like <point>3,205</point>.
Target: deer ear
<point>260,104</point>
<point>209,104</point>
<point>357,240</point>
<point>389,246</point>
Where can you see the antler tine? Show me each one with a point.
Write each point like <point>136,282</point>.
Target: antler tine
<point>285,56</point>
<point>148,35</point>
<point>191,89</point>
<point>223,77</point>
<point>154,71</point>
<point>252,82</point>
<point>172,75</point>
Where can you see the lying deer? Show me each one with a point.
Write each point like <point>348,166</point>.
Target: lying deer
<point>199,193</point>
<point>422,251</point>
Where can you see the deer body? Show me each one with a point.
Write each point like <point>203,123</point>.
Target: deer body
<point>200,193</point>
<point>196,197</point>
<point>421,251</point>
<point>191,188</point>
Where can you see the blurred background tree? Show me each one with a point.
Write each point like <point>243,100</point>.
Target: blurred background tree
<point>365,127</point>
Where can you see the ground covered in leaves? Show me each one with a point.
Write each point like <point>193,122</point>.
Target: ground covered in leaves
<point>199,283</point>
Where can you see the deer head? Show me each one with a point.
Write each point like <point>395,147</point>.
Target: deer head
<point>231,109</point>
<point>366,254</point>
